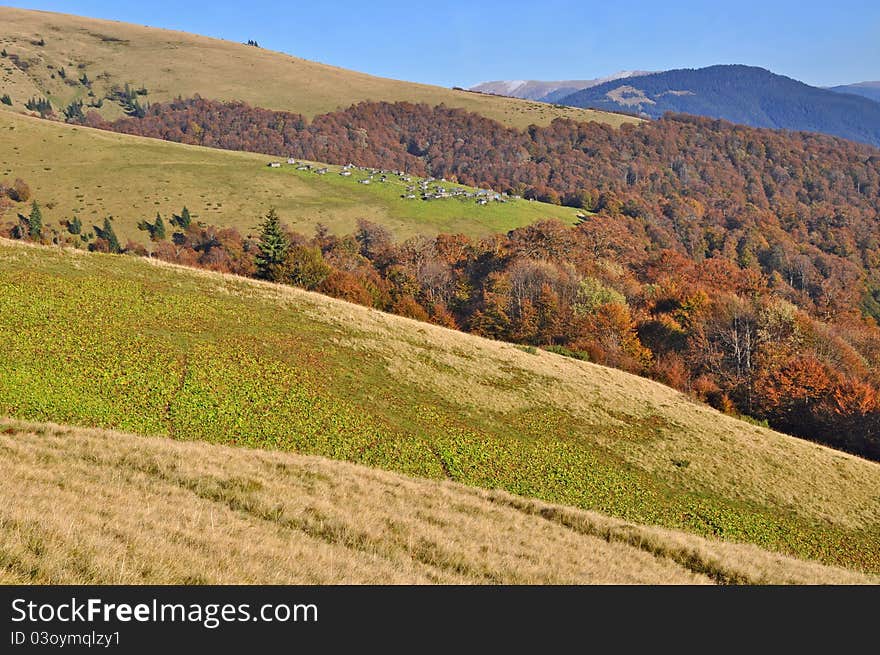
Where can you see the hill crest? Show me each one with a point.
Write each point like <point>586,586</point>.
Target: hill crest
<point>167,64</point>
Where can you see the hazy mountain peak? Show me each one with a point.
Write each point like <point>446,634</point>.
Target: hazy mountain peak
<point>869,90</point>
<point>546,91</point>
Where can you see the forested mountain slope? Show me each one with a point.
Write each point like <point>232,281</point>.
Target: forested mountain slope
<point>742,94</point>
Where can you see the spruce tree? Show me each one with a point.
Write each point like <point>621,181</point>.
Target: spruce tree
<point>273,245</point>
<point>182,220</point>
<point>108,235</point>
<point>74,226</point>
<point>155,229</point>
<point>35,222</point>
<point>158,229</point>
<point>74,111</point>
<point>111,236</point>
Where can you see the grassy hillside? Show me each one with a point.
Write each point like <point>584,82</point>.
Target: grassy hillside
<point>202,513</point>
<point>169,64</point>
<point>123,343</point>
<point>89,173</point>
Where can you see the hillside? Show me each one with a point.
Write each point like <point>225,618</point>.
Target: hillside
<point>75,170</point>
<point>698,238</point>
<point>741,94</point>
<point>869,90</point>
<point>125,343</point>
<point>228,515</point>
<point>168,64</point>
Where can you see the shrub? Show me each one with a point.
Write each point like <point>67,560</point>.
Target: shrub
<point>568,352</point>
<point>305,267</point>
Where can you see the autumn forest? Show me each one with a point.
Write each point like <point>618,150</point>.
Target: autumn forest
<point>733,263</point>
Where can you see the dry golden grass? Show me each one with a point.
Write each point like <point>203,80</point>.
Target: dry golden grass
<point>726,455</point>
<point>173,63</point>
<point>92,506</point>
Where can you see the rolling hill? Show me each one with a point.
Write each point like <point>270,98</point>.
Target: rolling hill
<point>167,64</point>
<point>134,345</point>
<point>741,94</point>
<point>89,173</point>
<point>869,90</point>
<point>201,513</point>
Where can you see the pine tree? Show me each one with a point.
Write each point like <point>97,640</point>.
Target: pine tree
<point>155,229</point>
<point>158,229</point>
<point>136,110</point>
<point>35,222</point>
<point>273,245</point>
<point>107,234</point>
<point>182,220</point>
<point>42,105</point>
<point>74,226</point>
<point>112,240</point>
<point>74,111</point>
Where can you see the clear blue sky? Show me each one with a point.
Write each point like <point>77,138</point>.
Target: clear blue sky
<point>462,43</point>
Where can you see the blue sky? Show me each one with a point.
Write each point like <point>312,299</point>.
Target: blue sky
<point>462,43</point>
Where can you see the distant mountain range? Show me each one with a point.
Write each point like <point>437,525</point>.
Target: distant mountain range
<point>547,91</point>
<point>867,89</point>
<point>742,94</point>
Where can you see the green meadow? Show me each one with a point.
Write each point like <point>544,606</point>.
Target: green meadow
<point>77,171</point>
